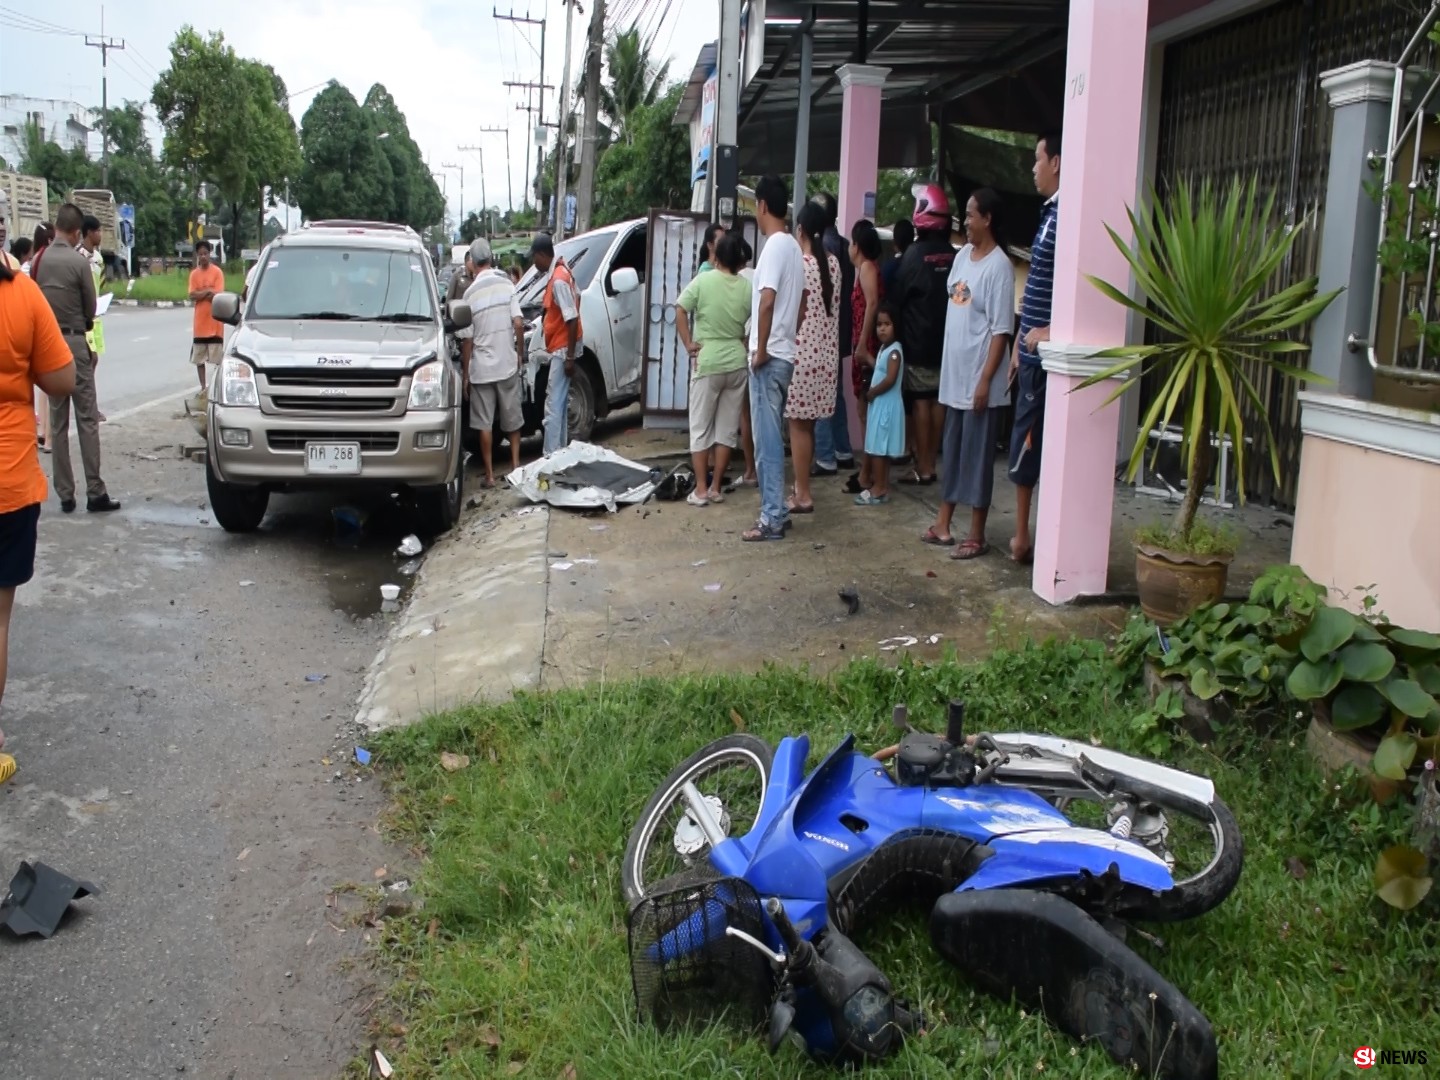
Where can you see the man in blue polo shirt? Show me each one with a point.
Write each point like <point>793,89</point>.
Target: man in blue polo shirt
<point>1026,372</point>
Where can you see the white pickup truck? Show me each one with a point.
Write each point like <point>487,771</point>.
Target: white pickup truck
<point>609,269</point>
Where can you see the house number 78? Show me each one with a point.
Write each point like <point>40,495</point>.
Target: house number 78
<point>1077,86</point>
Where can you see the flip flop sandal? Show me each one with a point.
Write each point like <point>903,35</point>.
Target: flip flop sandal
<point>969,549</point>
<point>865,498</point>
<point>938,541</point>
<point>799,508</point>
<point>913,478</point>
<point>760,533</point>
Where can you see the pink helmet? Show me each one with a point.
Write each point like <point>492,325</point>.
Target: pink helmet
<point>932,209</point>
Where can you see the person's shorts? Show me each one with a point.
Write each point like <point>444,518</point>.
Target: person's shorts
<point>18,530</point>
<point>920,383</point>
<point>1025,437</point>
<point>207,352</point>
<point>503,397</point>
<point>715,404</point>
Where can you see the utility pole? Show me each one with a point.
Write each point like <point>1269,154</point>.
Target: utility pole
<point>461,167</point>
<point>484,202</point>
<point>104,44</point>
<point>592,108</point>
<point>725,162</point>
<point>532,179</point>
<point>512,17</point>
<point>561,172</point>
<point>509,188</point>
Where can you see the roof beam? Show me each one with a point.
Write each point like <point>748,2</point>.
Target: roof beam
<point>873,44</point>
<point>768,79</point>
<point>1042,50</point>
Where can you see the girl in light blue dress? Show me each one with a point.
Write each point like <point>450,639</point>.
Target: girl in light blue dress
<point>885,413</point>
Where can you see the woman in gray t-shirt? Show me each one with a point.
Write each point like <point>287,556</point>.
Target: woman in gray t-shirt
<point>979,324</point>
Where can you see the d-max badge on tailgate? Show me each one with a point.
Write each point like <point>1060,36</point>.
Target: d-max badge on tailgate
<point>335,360</point>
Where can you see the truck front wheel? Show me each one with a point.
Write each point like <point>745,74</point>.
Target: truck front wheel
<point>439,507</point>
<point>238,508</point>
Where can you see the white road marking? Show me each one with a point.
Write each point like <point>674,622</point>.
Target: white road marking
<point>174,395</point>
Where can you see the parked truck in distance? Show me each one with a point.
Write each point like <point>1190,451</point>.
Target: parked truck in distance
<point>113,248</point>
<point>25,203</point>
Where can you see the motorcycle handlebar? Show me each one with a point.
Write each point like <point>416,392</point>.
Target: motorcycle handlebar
<point>786,928</point>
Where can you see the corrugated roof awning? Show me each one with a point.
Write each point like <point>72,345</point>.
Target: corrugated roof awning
<point>982,62</point>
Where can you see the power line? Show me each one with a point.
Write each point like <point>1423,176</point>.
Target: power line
<point>39,26</point>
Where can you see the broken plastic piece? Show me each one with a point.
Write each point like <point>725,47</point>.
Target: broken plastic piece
<point>383,1068</point>
<point>315,678</point>
<point>38,898</point>
<point>902,642</point>
<point>362,755</point>
<point>410,546</point>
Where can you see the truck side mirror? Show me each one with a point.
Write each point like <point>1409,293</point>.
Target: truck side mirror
<point>459,316</point>
<point>225,307</point>
<point>624,280</point>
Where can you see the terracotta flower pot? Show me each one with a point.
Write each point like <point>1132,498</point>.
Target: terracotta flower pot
<point>1173,584</point>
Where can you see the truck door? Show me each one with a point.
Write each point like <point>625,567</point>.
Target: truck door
<point>625,312</point>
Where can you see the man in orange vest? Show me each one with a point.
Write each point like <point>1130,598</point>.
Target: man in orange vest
<point>563,335</point>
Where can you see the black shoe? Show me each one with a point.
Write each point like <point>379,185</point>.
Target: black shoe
<point>821,471</point>
<point>101,505</point>
<point>67,506</point>
<point>844,463</point>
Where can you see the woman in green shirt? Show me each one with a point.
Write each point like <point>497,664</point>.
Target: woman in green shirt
<point>719,302</point>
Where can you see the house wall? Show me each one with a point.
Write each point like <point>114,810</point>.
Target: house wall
<point>1368,511</point>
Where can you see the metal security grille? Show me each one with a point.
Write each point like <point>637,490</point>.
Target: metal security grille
<point>1245,99</point>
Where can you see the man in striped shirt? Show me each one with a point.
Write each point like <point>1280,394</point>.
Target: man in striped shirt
<point>492,349</point>
<point>1026,373</point>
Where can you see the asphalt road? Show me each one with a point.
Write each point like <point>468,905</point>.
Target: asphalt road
<point>179,703</point>
<point>146,358</point>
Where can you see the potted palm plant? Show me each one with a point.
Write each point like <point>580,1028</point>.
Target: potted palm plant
<point>1205,263</point>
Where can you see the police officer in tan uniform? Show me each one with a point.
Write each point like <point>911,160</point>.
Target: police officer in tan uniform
<point>64,276</point>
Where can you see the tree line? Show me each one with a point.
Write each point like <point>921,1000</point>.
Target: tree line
<point>231,149</point>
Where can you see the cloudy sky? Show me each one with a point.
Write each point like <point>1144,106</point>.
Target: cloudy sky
<point>444,62</point>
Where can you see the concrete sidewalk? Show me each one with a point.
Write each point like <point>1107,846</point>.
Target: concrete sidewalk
<point>523,599</point>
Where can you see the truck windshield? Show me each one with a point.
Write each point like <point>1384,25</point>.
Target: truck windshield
<point>369,284</point>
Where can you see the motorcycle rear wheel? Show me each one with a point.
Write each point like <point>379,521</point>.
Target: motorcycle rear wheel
<point>743,751</point>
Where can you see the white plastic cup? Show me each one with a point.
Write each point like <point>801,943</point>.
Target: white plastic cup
<point>390,592</point>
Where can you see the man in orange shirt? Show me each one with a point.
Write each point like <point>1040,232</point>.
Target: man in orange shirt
<point>563,334</point>
<point>33,352</point>
<point>206,280</point>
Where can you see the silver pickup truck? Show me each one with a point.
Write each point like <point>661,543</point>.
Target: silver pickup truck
<point>338,377</point>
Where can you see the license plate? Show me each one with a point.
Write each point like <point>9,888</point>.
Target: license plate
<point>341,459</point>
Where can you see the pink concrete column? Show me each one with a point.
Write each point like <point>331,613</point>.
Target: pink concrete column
<point>859,173</point>
<point>1099,171</point>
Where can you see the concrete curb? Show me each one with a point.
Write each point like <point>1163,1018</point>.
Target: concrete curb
<point>473,627</point>
<point>123,302</point>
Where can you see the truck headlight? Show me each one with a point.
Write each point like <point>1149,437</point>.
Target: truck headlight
<point>237,383</point>
<point>430,387</point>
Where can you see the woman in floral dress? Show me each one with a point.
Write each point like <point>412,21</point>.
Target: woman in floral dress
<point>817,351</point>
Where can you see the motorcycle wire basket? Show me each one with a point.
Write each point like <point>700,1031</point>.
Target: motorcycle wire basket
<point>686,969</point>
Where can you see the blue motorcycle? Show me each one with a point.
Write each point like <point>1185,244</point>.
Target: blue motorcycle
<point>746,880</point>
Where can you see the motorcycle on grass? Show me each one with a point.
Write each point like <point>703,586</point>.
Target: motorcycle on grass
<point>746,880</point>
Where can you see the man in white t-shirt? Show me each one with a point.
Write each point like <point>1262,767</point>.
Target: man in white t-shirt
<point>775,314</point>
<point>491,349</point>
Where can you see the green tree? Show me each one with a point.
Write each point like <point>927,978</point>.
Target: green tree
<point>196,99</point>
<point>631,83</point>
<point>61,169</point>
<point>345,171</point>
<point>136,177</point>
<point>651,169</point>
<point>415,197</point>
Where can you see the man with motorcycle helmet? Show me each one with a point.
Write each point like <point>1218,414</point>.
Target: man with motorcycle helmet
<point>921,298</point>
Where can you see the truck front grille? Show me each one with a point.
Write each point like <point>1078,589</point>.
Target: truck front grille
<point>376,442</point>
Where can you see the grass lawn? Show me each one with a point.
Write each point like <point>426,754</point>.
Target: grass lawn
<point>517,962</point>
<point>172,285</point>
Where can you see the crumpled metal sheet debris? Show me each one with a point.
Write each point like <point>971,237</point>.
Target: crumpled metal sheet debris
<point>536,481</point>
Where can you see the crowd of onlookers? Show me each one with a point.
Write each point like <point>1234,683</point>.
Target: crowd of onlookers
<point>929,341</point>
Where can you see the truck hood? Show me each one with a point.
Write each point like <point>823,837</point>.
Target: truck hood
<point>321,343</point>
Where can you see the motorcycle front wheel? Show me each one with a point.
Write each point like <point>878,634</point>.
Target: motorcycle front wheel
<point>1208,855</point>
<point>733,774</point>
